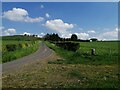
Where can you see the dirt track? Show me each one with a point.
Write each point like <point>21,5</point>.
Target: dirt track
<point>42,53</point>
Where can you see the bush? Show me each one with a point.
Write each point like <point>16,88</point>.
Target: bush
<point>68,46</point>
<point>11,47</point>
<point>13,51</point>
<point>4,49</point>
<point>26,44</point>
<point>23,45</point>
<point>19,46</point>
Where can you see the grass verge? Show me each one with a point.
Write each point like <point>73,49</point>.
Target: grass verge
<point>12,55</point>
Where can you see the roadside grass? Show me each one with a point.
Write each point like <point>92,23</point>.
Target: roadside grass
<point>106,53</point>
<point>19,52</point>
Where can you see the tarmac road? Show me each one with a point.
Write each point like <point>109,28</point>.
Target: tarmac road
<point>42,53</point>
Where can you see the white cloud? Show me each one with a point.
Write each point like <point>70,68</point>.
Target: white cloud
<point>82,35</point>
<point>21,15</point>
<point>91,31</point>
<point>47,15</point>
<point>29,19</point>
<point>58,25</point>
<point>116,29</point>
<point>9,31</point>
<point>41,34</point>
<point>109,35</point>
<point>66,35</point>
<point>26,33</point>
<point>62,27</point>
<point>2,27</point>
<point>79,35</point>
<point>42,6</point>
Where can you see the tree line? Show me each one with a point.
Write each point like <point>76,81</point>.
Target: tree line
<point>74,37</point>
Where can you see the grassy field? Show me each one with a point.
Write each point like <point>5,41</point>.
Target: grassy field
<point>96,69</point>
<point>67,69</point>
<point>106,53</point>
<point>14,48</point>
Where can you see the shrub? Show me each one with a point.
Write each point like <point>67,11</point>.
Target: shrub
<point>68,46</point>
<point>29,45</point>
<point>19,46</point>
<point>26,44</point>
<point>4,49</point>
<point>11,47</point>
<point>23,45</point>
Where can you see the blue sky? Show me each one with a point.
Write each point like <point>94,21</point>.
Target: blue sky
<point>86,19</point>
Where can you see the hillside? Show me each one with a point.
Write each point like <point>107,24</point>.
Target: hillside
<point>20,38</point>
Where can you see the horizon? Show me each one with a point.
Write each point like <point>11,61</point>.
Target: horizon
<point>55,33</point>
<point>87,19</point>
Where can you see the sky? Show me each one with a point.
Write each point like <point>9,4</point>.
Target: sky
<point>85,19</point>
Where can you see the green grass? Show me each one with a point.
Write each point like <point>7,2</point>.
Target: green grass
<point>28,45</point>
<point>106,53</point>
<point>78,70</point>
<point>20,38</point>
<point>9,56</point>
<point>95,70</point>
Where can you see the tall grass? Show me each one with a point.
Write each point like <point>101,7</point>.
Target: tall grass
<point>18,53</point>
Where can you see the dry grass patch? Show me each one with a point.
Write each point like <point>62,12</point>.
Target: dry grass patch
<point>41,74</point>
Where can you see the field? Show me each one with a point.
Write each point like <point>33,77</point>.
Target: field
<point>67,69</point>
<point>14,48</point>
<point>99,70</point>
<point>106,53</point>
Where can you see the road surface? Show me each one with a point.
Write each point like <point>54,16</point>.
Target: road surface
<point>42,53</point>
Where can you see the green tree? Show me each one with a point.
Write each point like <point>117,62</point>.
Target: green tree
<point>74,37</point>
<point>94,39</point>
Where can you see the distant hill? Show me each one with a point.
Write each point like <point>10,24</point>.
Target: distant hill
<point>20,38</point>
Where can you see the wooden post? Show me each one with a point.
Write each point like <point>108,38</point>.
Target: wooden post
<point>93,52</point>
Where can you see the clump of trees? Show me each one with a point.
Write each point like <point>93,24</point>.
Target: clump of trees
<point>94,39</point>
<point>55,37</point>
<point>31,35</point>
<point>52,37</point>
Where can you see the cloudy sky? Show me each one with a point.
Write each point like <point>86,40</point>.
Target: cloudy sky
<point>85,19</point>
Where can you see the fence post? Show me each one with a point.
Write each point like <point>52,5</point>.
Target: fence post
<point>93,52</point>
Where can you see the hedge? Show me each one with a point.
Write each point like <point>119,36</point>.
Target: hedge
<point>68,45</point>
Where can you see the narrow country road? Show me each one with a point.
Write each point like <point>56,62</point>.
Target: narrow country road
<point>40,54</point>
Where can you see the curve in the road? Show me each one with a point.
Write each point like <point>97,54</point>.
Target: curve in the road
<point>40,54</point>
